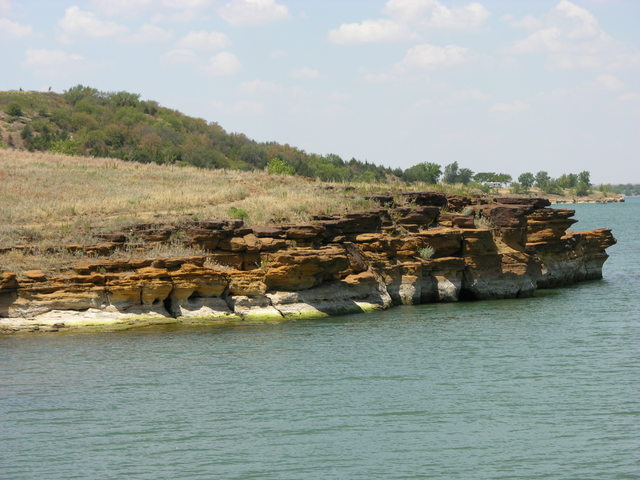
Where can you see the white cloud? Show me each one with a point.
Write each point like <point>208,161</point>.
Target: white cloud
<point>202,40</point>
<point>427,57</point>
<point>187,4</point>
<point>529,22</point>
<point>571,37</point>
<point>583,23</point>
<point>257,87</point>
<point>9,29</point>
<point>371,31</point>
<point>180,10</point>
<point>84,23</point>
<point>222,64</point>
<point>630,97</point>
<point>180,55</point>
<point>514,107</point>
<point>253,12</point>
<point>433,14</point>
<point>546,39</point>
<point>121,7</point>
<point>408,19</point>
<point>609,82</point>
<point>150,34</point>
<point>305,72</point>
<point>49,62</point>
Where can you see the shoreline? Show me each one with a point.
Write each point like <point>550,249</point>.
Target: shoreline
<point>430,248</point>
<point>71,322</point>
<point>574,200</point>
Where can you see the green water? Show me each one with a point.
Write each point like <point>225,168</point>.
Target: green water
<point>547,387</point>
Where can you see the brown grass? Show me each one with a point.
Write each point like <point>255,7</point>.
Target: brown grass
<point>50,200</point>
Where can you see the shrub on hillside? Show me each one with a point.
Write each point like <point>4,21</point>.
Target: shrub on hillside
<point>14,110</point>
<point>239,213</point>
<point>66,147</point>
<point>277,166</point>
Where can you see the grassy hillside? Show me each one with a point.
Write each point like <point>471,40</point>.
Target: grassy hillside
<point>85,121</point>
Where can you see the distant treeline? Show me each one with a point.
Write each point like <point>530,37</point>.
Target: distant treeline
<point>626,189</point>
<point>577,183</point>
<point>86,121</point>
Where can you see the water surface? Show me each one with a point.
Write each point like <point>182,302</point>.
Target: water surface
<point>540,388</point>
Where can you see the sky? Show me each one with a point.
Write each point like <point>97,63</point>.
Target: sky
<point>496,85</point>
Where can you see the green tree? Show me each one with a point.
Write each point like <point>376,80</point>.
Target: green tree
<point>485,177</point>
<point>542,179</point>
<point>423,172</point>
<point>551,186</point>
<point>583,186</point>
<point>79,92</point>
<point>568,180</point>
<point>489,177</point>
<point>450,173</point>
<point>527,179</point>
<point>124,99</point>
<point>465,175</point>
<point>503,178</point>
<point>584,178</point>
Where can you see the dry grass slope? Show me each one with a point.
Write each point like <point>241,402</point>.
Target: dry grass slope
<point>51,200</point>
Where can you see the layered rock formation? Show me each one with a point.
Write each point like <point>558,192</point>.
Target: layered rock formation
<point>427,248</point>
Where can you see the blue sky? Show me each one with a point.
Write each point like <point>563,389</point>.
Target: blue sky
<point>512,86</point>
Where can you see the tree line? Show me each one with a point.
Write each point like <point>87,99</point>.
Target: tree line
<point>85,121</point>
<point>579,183</point>
<point>631,189</point>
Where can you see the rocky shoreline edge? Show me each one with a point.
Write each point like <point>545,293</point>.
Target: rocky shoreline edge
<point>424,247</point>
<point>580,200</point>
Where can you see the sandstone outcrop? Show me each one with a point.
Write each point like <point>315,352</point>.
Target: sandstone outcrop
<point>425,247</point>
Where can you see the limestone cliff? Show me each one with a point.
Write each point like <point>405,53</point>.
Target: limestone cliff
<point>429,248</point>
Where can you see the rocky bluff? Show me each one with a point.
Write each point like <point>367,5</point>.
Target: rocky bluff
<point>428,247</point>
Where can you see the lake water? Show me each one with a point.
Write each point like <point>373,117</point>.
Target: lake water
<point>547,387</point>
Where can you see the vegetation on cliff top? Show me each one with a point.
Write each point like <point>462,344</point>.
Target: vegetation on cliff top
<point>50,200</point>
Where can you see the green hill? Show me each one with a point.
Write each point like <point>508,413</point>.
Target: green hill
<point>85,121</point>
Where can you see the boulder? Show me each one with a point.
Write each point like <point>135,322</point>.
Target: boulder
<point>431,199</point>
<point>534,202</point>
